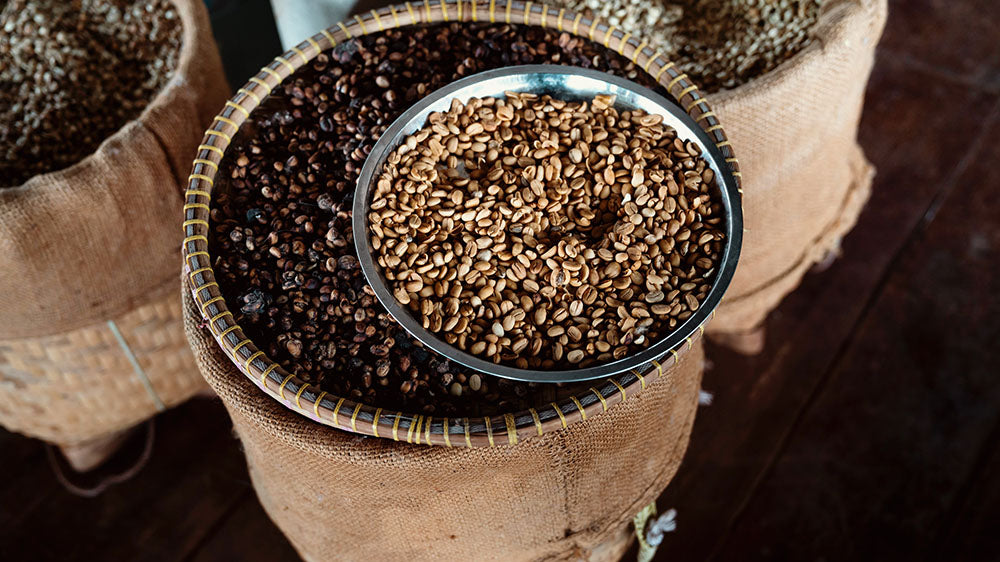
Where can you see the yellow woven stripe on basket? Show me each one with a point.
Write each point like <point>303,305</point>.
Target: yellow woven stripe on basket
<point>378,412</point>
<point>220,134</point>
<point>562,418</point>
<point>329,37</point>
<point>267,371</point>
<point>196,254</point>
<point>298,395</point>
<point>209,163</point>
<point>301,54</point>
<point>604,403</point>
<point>446,432</point>
<point>316,404</point>
<point>593,28</point>
<point>378,20</point>
<point>281,387</point>
<point>336,413</point>
<point>260,82</point>
<point>354,418</point>
<point>227,121</point>
<point>538,422</point>
<point>489,430</point>
<point>246,364</point>
<point>638,51</point>
<point>680,77</point>
<point>202,177</point>
<point>511,429</point>
<point>620,388</point>
<point>395,427</point>
<point>361,23</point>
<point>607,36</point>
<point>642,379</point>
<point>272,72</point>
<point>315,45</point>
<point>659,368</point>
<point>414,423</point>
<point>579,406</point>
<point>286,62</point>
<point>623,43</point>
<point>686,91</point>
<point>241,345</point>
<point>205,305</point>
<point>242,109</point>
<point>215,149</point>
<point>228,331</point>
<point>696,102</point>
<point>197,271</point>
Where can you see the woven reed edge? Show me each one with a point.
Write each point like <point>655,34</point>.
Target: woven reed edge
<point>339,412</point>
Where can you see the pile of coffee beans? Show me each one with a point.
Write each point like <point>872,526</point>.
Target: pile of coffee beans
<point>718,43</point>
<point>546,234</point>
<point>281,214</point>
<point>73,73</point>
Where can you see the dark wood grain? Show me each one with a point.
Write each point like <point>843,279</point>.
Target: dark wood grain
<point>195,475</point>
<point>955,38</point>
<point>881,456</point>
<point>908,119</point>
<point>229,541</point>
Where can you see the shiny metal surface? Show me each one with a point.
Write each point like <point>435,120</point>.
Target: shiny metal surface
<point>571,84</point>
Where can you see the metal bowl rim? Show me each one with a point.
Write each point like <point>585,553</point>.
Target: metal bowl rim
<point>640,360</point>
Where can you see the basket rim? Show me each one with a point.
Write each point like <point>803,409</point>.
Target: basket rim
<point>358,417</point>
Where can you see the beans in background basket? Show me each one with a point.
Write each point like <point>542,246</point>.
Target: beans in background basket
<point>281,213</point>
<point>547,234</point>
<point>73,73</point>
<point>719,43</point>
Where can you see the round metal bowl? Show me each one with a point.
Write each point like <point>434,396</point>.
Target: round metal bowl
<point>570,84</point>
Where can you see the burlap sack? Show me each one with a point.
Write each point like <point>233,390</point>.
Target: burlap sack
<point>569,494</point>
<point>91,339</point>
<point>62,234</point>
<point>805,178</point>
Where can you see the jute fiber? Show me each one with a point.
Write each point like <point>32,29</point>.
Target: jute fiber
<point>566,495</point>
<point>77,386</point>
<point>90,242</point>
<point>92,341</point>
<point>805,177</point>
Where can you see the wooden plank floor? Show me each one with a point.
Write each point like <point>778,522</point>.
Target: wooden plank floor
<point>867,429</point>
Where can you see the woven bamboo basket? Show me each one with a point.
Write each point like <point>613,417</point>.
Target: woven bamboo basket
<point>368,419</point>
<point>81,388</point>
<point>555,483</point>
